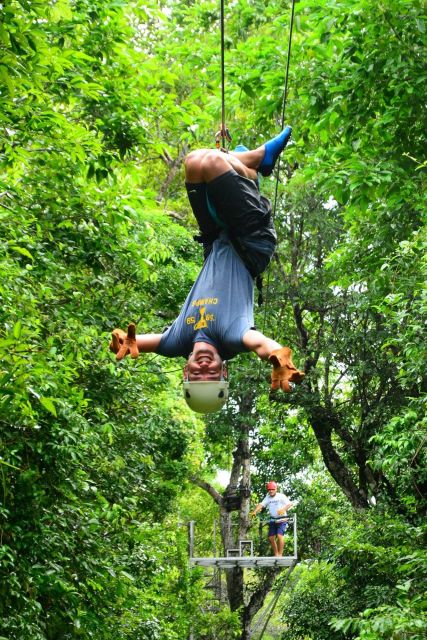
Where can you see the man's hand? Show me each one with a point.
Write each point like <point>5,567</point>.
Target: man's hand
<point>123,343</point>
<point>282,511</point>
<point>284,370</point>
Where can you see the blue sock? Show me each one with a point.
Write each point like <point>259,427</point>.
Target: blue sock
<point>273,149</point>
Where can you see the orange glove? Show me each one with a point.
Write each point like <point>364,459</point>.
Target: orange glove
<point>123,343</point>
<point>284,370</point>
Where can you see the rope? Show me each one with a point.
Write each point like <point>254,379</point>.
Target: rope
<point>276,190</point>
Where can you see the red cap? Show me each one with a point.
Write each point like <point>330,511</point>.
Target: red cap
<point>271,485</point>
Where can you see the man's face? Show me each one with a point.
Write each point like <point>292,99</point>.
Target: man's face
<point>203,365</point>
<point>272,492</point>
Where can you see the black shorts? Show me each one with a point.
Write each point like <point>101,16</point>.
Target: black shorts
<point>209,229</point>
<point>246,215</point>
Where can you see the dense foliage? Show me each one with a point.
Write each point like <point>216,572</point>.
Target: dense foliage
<point>99,102</point>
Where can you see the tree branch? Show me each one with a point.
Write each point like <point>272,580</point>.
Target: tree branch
<point>215,495</point>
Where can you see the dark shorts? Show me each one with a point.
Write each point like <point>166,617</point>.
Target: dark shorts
<point>241,210</point>
<point>277,528</point>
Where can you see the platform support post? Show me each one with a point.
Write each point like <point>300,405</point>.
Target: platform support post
<point>191,538</point>
<point>295,537</point>
<point>214,538</point>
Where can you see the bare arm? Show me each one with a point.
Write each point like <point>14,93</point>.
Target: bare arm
<point>259,343</point>
<point>148,342</point>
<point>257,509</point>
<point>284,371</point>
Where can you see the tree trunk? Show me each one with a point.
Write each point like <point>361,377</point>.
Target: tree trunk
<point>256,601</point>
<point>240,485</point>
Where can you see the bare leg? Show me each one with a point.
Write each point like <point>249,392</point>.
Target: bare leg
<point>273,545</point>
<point>205,165</point>
<point>251,159</point>
<point>280,544</point>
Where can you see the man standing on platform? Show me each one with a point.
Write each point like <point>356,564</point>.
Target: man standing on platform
<point>277,505</point>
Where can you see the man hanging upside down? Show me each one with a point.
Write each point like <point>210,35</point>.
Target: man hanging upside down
<point>216,321</point>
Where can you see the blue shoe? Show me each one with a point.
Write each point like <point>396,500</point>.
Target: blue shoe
<point>273,149</point>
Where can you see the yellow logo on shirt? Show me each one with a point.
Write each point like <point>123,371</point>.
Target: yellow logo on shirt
<point>202,301</point>
<point>202,323</point>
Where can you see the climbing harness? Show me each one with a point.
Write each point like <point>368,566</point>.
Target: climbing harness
<point>220,136</point>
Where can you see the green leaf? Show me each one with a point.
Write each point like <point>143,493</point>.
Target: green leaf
<point>17,329</point>
<point>6,78</point>
<point>22,250</point>
<point>48,404</point>
<point>127,575</point>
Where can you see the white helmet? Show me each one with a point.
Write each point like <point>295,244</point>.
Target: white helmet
<point>207,396</point>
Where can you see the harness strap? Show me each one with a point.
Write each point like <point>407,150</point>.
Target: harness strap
<point>280,519</point>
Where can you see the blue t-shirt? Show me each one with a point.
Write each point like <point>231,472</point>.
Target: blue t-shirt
<point>218,310</point>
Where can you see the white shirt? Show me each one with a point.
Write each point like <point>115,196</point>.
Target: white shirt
<point>274,503</point>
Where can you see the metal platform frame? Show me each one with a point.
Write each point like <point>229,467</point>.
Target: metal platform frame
<point>245,562</point>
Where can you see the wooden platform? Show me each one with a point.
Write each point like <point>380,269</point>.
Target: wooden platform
<point>246,562</point>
